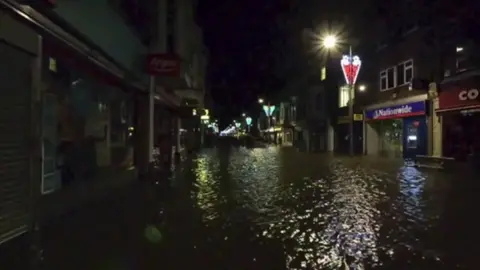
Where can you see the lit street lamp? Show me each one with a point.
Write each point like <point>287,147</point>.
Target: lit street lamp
<point>260,100</point>
<point>243,114</point>
<point>350,66</point>
<point>362,88</point>
<point>248,120</point>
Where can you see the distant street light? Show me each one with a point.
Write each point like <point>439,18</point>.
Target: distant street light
<point>260,100</point>
<point>243,114</point>
<point>362,88</point>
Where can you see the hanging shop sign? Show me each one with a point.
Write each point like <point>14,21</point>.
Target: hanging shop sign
<point>351,67</point>
<point>163,64</point>
<point>459,99</point>
<point>397,111</point>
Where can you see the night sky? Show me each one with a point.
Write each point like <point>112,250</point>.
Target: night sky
<point>243,39</point>
<point>256,46</point>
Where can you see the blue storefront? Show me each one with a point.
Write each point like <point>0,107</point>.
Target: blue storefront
<point>398,130</point>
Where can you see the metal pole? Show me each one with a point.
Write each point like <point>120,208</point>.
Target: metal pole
<point>350,108</point>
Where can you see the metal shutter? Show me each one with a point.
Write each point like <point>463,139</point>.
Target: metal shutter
<point>15,100</point>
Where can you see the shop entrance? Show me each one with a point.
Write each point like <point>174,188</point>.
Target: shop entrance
<point>414,134</point>
<point>401,137</point>
<point>460,135</point>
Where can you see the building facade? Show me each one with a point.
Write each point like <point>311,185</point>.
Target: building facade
<point>397,116</point>
<point>420,101</point>
<point>85,100</point>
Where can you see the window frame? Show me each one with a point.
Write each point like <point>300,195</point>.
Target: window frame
<point>384,75</point>
<point>408,65</point>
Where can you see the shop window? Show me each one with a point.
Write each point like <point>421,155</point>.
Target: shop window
<point>93,128</point>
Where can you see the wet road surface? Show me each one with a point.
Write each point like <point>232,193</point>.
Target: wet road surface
<point>272,208</point>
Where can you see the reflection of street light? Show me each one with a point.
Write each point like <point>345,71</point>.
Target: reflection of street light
<point>260,100</point>
<point>362,88</point>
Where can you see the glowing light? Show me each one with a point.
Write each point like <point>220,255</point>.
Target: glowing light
<point>330,41</point>
<point>248,120</point>
<point>351,68</point>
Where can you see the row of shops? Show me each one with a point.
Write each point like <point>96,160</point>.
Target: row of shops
<point>447,125</point>
<point>68,115</point>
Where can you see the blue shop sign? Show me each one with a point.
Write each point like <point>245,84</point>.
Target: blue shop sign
<point>398,111</point>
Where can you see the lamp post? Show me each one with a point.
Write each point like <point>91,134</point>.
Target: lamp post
<point>350,66</point>
<point>248,120</point>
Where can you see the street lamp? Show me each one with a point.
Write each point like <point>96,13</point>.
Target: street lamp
<point>330,41</point>
<point>260,100</point>
<point>243,114</point>
<point>248,120</point>
<point>362,88</point>
<point>350,66</point>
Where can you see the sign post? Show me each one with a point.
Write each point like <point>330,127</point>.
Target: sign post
<point>351,67</point>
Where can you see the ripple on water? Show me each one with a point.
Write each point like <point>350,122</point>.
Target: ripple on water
<point>322,215</point>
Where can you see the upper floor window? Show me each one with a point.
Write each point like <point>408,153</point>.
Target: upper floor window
<point>396,76</point>
<point>323,74</point>
<point>343,96</point>
<point>464,58</point>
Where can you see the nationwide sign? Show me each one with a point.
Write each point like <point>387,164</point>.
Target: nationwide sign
<point>399,111</point>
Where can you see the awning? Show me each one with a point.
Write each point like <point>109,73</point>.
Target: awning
<point>458,109</point>
<point>459,95</point>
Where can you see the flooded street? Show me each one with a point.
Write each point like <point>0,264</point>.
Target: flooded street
<point>278,209</point>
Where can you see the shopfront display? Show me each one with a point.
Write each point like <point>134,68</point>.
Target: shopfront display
<point>399,130</point>
<point>460,110</point>
<point>89,120</point>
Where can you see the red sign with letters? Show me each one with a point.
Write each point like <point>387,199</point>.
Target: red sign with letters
<point>163,64</point>
<point>459,98</point>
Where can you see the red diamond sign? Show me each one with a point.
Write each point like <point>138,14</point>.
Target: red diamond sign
<point>351,67</point>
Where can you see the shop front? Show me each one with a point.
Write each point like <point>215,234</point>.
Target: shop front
<point>342,134</point>
<point>397,131</point>
<point>459,107</point>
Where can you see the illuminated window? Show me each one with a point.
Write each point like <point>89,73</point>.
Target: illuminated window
<point>343,96</point>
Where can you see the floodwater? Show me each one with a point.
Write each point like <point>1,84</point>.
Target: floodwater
<point>273,209</point>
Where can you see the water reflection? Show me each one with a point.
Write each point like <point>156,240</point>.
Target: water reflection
<point>326,214</point>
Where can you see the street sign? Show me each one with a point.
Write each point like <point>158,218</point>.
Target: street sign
<point>163,64</point>
<point>350,67</point>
